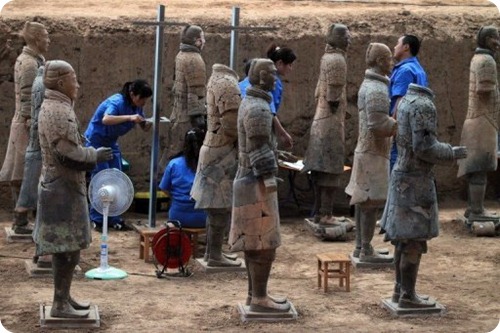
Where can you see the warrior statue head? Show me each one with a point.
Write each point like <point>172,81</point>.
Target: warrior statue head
<point>338,36</point>
<point>379,58</point>
<point>60,76</point>
<point>488,38</point>
<point>36,37</point>
<point>262,74</point>
<point>193,35</point>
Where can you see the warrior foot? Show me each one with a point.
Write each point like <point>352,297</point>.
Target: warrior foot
<point>65,310</point>
<point>223,262</point>
<point>413,301</point>
<point>79,305</point>
<point>266,304</point>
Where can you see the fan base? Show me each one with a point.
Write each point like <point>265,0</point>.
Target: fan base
<point>110,273</point>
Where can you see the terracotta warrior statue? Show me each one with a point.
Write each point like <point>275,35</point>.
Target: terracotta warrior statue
<point>25,70</point>
<point>325,153</point>
<point>410,217</point>
<point>63,226</point>
<point>370,172</point>
<point>189,90</point>
<point>213,185</point>
<point>255,216</point>
<point>480,130</point>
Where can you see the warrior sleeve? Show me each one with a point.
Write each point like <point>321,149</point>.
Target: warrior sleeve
<point>486,78</point>
<point>27,76</point>
<point>65,142</point>
<point>258,128</point>
<point>377,107</point>
<point>228,105</point>
<point>425,144</point>
<point>336,75</point>
<point>196,87</point>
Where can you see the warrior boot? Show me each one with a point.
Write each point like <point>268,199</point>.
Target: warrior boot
<point>357,249</point>
<point>230,256</point>
<point>261,302</point>
<point>21,225</point>
<point>275,299</point>
<point>397,285</point>
<point>216,237</point>
<point>368,221</point>
<point>477,211</point>
<point>78,305</point>
<point>409,271</point>
<point>63,266</point>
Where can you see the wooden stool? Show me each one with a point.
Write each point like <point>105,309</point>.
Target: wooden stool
<point>193,234</point>
<point>342,272</point>
<point>146,235</point>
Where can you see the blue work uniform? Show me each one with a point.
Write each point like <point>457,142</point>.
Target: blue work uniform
<point>177,180</point>
<point>276,93</point>
<point>405,72</point>
<point>100,135</point>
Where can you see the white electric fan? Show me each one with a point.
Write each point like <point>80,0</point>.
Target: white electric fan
<point>111,193</point>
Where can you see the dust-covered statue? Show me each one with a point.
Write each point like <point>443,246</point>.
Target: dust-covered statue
<point>63,225</point>
<point>213,185</point>
<point>25,70</point>
<point>370,172</point>
<point>410,216</point>
<point>480,129</point>
<point>326,149</point>
<point>189,90</point>
<point>255,225</point>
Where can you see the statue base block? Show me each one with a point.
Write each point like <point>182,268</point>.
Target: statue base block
<point>396,311</point>
<point>47,321</point>
<point>36,271</point>
<point>12,237</point>
<point>246,315</point>
<point>370,265</point>
<point>211,269</point>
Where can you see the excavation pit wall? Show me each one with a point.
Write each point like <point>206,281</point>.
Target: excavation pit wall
<point>106,53</point>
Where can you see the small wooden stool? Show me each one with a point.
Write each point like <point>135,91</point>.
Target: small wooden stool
<point>342,272</point>
<point>193,234</point>
<point>146,235</point>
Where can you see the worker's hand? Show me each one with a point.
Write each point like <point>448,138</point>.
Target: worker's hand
<point>287,156</point>
<point>104,154</point>
<point>459,152</point>
<point>287,140</point>
<point>135,118</point>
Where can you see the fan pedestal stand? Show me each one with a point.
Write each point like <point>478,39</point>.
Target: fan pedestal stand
<point>104,271</point>
<point>47,321</point>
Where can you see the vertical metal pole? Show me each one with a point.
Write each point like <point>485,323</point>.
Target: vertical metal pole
<point>235,22</point>
<point>153,177</point>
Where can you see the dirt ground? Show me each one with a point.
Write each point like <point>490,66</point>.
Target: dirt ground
<point>460,270</point>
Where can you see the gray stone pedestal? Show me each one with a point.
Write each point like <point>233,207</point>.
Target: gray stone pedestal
<point>47,321</point>
<point>12,237</point>
<point>396,311</point>
<point>210,269</point>
<point>246,315</point>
